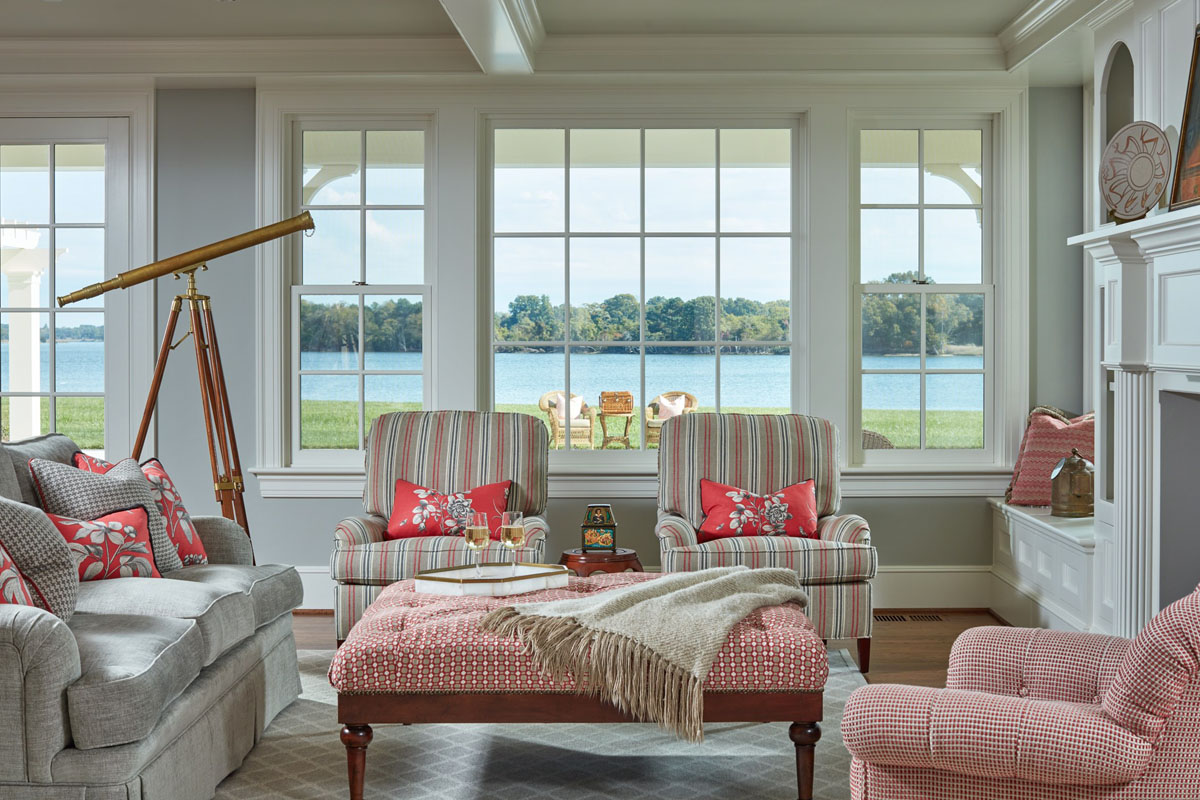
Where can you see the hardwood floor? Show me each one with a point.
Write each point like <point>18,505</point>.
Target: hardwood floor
<point>912,651</point>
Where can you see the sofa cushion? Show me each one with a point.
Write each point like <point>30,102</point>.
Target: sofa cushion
<point>273,589</point>
<point>224,616</point>
<point>72,492</point>
<point>132,667</point>
<point>815,560</point>
<point>51,447</point>
<point>41,556</point>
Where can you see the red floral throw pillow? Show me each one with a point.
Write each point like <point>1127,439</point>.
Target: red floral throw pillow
<point>13,589</point>
<point>180,528</point>
<point>115,546</point>
<point>1048,439</point>
<point>418,511</point>
<point>730,511</point>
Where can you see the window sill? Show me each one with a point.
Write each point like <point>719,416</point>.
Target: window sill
<point>575,483</point>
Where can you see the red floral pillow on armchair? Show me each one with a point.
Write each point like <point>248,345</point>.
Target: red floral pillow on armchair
<point>115,546</point>
<point>730,511</point>
<point>13,589</point>
<point>180,529</point>
<point>1048,439</point>
<point>419,511</point>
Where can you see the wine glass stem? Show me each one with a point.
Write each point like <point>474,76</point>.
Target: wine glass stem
<point>478,560</point>
<point>514,555</point>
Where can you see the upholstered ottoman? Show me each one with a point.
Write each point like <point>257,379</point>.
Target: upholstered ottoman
<point>416,658</point>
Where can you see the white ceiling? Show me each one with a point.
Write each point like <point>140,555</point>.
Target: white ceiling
<point>186,18</point>
<point>931,17</point>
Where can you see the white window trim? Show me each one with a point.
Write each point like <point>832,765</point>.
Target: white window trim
<point>576,464</point>
<point>130,330</point>
<point>1006,297</point>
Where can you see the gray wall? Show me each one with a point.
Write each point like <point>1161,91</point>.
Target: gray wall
<point>206,190</point>
<point>1179,555</point>
<point>1056,271</point>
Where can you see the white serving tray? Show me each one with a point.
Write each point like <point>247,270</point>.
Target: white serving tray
<point>497,581</point>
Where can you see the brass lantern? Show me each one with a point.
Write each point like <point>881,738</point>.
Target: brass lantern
<point>599,528</point>
<point>1073,487</point>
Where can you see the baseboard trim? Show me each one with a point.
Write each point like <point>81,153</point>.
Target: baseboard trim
<point>318,589</point>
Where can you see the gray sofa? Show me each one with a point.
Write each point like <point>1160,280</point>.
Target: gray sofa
<point>156,689</point>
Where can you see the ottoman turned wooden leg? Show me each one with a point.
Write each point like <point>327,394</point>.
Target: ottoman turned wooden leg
<point>356,738</point>
<point>805,736</point>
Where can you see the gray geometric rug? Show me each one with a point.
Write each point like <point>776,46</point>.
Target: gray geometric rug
<point>301,757</point>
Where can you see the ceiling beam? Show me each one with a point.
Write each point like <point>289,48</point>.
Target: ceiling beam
<point>1043,21</point>
<point>503,35</point>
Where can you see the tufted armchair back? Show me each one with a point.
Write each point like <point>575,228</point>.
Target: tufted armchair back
<point>454,451</point>
<point>1158,668</point>
<point>758,452</point>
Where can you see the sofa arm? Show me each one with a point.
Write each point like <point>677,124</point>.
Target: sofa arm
<point>1035,663</point>
<point>992,736</point>
<point>225,542</point>
<point>363,529</point>
<point>674,531</point>
<point>38,661</point>
<point>848,528</point>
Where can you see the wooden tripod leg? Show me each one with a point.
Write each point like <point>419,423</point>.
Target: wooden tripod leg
<point>206,391</point>
<point>356,738</point>
<point>160,366</point>
<point>222,409</point>
<point>805,736</point>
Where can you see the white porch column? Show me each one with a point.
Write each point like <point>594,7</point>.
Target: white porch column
<point>22,264</point>
<point>1133,496</point>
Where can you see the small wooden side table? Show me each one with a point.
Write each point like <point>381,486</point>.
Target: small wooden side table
<point>585,562</point>
<point>622,438</point>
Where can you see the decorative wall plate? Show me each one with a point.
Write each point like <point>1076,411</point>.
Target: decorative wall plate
<point>1135,170</point>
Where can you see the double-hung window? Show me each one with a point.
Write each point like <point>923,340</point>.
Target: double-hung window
<point>640,273</point>
<point>64,198</point>
<point>360,296</point>
<point>925,295</point>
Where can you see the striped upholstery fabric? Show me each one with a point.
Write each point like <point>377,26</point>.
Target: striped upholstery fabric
<point>816,561</point>
<point>1035,715</point>
<point>759,452</point>
<point>840,610</point>
<point>453,451</point>
<point>849,528</point>
<point>395,560</point>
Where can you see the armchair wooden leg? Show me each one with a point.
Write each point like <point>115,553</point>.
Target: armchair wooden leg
<point>864,655</point>
<point>805,736</point>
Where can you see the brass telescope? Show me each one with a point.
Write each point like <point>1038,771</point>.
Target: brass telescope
<point>185,262</point>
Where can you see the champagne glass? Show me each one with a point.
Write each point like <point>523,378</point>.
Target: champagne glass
<point>477,535</point>
<point>512,533</point>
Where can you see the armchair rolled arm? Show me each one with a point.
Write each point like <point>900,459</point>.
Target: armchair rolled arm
<point>225,542</point>
<point>849,528</point>
<point>362,529</point>
<point>993,736</point>
<point>536,530</point>
<point>674,531</point>
<point>38,661</point>
<point>1035,663</point>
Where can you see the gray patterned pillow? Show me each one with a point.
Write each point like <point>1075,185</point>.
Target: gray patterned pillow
<point>41,554</point>
<point>71,492</point>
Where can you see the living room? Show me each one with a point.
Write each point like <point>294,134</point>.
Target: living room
<point>826,290</point>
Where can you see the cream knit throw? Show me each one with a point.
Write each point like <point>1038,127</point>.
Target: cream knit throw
<point>647,648</point>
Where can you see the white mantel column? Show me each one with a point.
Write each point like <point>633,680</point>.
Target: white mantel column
<point>1133,501</point>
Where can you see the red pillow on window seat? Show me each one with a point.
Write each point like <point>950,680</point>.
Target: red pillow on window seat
<point>730,511</point>
<point>180,528</point>
<point>115,546</point>
<point>419,511</point>
<point>1048,440</point>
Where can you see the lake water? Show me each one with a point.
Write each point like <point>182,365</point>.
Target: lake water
<point>521,378</point>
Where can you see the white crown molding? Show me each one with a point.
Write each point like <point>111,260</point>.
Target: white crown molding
<point>248,56</point>
<point>527,22</point>
<point>1043,21</point>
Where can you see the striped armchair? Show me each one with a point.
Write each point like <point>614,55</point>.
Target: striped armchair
<point>1034,714</point>
<point>448,451</point>
<point>763,453</point>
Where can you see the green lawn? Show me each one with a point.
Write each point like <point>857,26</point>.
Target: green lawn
<point>81,418</point>
<point>944,430</point>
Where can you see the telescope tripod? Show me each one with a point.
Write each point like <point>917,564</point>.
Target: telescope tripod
<point>214,396</point>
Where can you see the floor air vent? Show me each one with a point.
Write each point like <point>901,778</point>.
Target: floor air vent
<point>889,618</point>
<point>925,617</point>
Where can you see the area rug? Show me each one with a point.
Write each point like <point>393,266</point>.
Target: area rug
<point>301,758</point>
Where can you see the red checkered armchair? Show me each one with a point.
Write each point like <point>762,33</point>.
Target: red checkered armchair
<point>764,453</point>
<point>1032,714</point>
<point>450,451</point>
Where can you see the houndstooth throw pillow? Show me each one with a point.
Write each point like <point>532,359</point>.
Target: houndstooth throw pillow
<point>41,555</point>
<point>71,492</point>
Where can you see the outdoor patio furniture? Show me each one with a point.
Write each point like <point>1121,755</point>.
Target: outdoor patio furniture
<point>654,424</point>
<point>583,426</point>
<point>873,440</point>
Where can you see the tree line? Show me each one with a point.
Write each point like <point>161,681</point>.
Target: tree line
<point>391,326</point>
<point>891,323</point>
<point>77,333</point>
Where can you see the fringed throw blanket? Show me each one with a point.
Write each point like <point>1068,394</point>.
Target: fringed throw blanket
<point>648,648</point>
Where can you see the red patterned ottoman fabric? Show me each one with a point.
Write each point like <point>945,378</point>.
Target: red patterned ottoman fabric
<point>419,643</point>
<point>1047,441</point>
